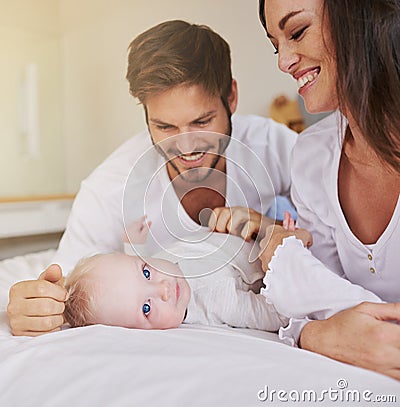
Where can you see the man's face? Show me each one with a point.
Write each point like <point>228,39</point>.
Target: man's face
<point>199,116</point>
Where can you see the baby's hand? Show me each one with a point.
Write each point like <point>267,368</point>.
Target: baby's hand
<point>288,222</point>
<point>302,234</point>
<point>137,231</point>
<point>274,237</point>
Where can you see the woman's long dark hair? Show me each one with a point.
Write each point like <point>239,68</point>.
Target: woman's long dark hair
<point>366,39</point>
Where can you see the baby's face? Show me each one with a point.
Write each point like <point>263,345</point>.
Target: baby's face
<point>135,293</point>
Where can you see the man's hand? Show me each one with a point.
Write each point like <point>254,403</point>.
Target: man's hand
<point>239,221</point>
<point>36,306</point>
<point>361,336</point>
<point>274,236</point>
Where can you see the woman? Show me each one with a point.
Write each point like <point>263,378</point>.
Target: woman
<point>345,55</point>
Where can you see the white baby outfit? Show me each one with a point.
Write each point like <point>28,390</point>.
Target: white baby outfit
<point>224,279</point>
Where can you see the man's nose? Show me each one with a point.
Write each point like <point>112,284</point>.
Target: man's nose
<point>186,142</point>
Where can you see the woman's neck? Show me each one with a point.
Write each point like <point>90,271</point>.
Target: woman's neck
<point>356,148</point>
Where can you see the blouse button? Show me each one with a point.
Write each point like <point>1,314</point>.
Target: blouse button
<point>369,257</point>
<point>372,270</point>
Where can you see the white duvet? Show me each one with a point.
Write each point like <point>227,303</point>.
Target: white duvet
<point>188,366</point>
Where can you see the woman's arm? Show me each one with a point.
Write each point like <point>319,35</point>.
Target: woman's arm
<point>363,336</point>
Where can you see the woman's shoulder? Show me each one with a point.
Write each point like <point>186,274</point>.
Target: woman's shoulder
<point>314,156</point>
<point>326,132</point>
<point>319,142</point>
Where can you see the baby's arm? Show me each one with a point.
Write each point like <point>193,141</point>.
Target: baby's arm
<point>245,309</point>
<point>300,286</point>
<point>274,237</point>
<point>255,312</point>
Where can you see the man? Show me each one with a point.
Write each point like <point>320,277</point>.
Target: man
<point>181,73</point>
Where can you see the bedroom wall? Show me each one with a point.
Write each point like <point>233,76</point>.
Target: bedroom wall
<point>30,38</point>
<point>98,112</point>
<point>84,108</point>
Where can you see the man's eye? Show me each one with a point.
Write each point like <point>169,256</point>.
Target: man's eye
<point>146,272</point>
<point>203,122</point>
<point>146,309</point>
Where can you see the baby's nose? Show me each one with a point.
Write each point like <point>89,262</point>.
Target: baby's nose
<point>164,290</point>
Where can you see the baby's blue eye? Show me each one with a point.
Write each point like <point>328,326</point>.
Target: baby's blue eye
<point>146,272</point>
<point>146,309</point>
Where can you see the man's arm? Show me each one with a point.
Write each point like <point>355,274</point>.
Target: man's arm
<point>36,307</point>
<point>95,225</point>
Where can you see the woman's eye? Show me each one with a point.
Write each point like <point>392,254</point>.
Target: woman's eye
<point>298,34</point>
<point>146,272</point>
<point>146,309</point>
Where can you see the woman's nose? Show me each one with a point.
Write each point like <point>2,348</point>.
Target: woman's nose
<point>164,290</point>
<point>287,58</point>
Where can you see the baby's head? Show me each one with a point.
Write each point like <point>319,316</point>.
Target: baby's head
<point>128,291</point>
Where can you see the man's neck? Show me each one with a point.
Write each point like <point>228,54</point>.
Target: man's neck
<point>209,193</point>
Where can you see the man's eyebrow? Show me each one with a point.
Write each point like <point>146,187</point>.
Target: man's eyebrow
<point>204,115</point>
<point>284,20</point>
<point>201,117</point>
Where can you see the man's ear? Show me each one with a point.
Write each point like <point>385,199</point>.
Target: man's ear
<point>233,97</point>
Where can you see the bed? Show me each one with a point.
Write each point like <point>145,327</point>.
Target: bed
<point>188,366</point>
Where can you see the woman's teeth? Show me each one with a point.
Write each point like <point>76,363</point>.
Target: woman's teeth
<point>306,79</point>
<point>192,157</point>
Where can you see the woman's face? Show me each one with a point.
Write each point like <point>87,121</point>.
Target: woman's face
<point>301,38</point>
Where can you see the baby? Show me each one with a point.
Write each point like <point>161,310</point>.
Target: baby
<point>208,280</point>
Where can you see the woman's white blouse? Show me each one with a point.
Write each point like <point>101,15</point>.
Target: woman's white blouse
<point>315,165</point>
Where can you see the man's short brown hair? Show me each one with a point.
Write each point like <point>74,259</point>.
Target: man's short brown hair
<point>175,53</point>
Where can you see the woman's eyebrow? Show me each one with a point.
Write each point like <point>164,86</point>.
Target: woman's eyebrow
<point>288,16</point>
<point>284,20</point>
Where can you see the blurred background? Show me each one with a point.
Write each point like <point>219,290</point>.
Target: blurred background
<point>64,101</point>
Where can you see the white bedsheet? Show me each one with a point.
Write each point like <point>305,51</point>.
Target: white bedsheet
<point>188,366</point>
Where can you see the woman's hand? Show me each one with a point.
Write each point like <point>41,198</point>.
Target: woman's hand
<point>239,221</point>
<point>361,336</point>
<point>36,307</point>
<point>274,236</point>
